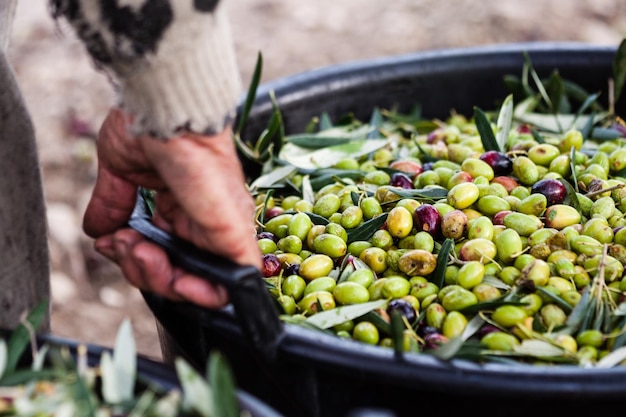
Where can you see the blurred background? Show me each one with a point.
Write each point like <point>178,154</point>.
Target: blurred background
<point>69,99</point>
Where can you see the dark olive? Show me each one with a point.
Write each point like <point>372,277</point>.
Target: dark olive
<point>404,307</point>
<point>499,161</point>
<point>271,265</point>
<point>551,188</point>
<point>427,218</point>
<point>401,180</point>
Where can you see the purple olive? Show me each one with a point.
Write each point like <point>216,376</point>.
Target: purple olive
<point>267,235</point>
<point>404,307</point>
<point>434,340</point>
<point>271,265</point>
<point>292,269</point>
<point>499,161</point>
<point>427,218</point>
<point>401,180</point>
<point>552,188</point>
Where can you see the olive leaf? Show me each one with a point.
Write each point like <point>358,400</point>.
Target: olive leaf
<point>434,193</point>
<point>570,194</point>
<point>576,317</point>
<point>366,229</point>
<point>619,70</point>
<point>328,176</point>
<point>438,275</point>
<point>21,336</point>
<point>329,318</point>
<point>504,122</point>
<point>383,326</point>
<point>565,306</point>
<point>326,157</point>
<point>601,134</point>
<point>272,178</point>
<point>198,395</point>
<point>222,383</point>
<point>307,192</point>
<point>376,121</point>
<point>4,357</point>
<point>254,84</point>
<point>614,358</point>
<point>325,122</point>
<point>485,130</point>
<point>539,349</point>
<point>397,331</point>
<point>119,370</point>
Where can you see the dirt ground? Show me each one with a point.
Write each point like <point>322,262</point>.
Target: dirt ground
<point>69,99</point>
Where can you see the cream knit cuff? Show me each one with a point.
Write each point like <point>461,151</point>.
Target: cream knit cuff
<point>192,83</point>
<point>172,61</point>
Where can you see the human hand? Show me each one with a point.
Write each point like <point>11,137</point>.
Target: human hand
<point>201,197</point>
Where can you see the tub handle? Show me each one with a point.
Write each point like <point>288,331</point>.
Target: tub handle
<point>255,310</point>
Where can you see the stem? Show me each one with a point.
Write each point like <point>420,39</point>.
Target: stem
<point>604,190</point>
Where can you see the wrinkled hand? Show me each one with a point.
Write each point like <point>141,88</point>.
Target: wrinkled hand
<point>201,197</point>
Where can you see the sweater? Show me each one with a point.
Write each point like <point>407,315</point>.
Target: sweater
<point>172,62</point>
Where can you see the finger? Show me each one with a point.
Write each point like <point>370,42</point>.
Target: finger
<point>110,206</point>
<point>201,292</point>
<point>144,264</point>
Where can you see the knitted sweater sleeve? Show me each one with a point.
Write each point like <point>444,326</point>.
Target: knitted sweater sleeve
<point>172,61</point>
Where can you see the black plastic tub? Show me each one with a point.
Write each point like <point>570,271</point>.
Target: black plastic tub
<point>149,372</point>
<point>316,375</point>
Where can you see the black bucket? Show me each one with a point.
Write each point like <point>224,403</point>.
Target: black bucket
<point>149,372</point>
<point>311,374</point>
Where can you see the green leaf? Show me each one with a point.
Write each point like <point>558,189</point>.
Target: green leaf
<point>306,191</point>
<point>565,306</point>
<point>376,121</point>
<point>197,394</point>
<point>378,321</point>
<point>271,178</point>
<point>538,349</point>
<point>119,370</point>
<point>21,337</point>
<point>577,316</point>
<point>439,274</point>
<point>505,120</point>
<point>329,318</point>
<point>223,384</point>
<point>601,134</point>
<point>325,122</point>
<point>554,123</point>
<point>434,193</point>
<point>619,70</point>
<point>555,90</point>
<point>125,360</point>
<point>367,229</point>
<point>397,332</point>
<point>316,141</point>
<point>317,219</point>
<point>485,130</point>
<point>612,359</point>
<point>570,195</point>
<point>254,84</point>
<point>326,176</point>
<point>326,157</point>
<point>4,357</point>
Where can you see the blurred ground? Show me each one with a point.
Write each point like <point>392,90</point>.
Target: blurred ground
<point>69,99</point>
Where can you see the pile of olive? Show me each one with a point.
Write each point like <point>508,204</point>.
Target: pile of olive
<point>536,253</point>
